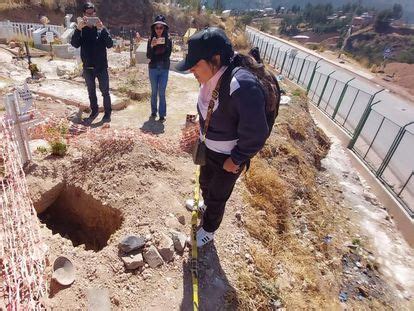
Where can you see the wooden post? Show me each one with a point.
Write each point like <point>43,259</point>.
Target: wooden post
<point>24,149</point>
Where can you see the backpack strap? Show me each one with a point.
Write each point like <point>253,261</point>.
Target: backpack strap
<point>226,81</point>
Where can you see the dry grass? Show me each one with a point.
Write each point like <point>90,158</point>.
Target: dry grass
<point>290,213</point>
<point>240,41</point>
<point>45,4</point>
<point>289,218</point>
<point>267,193</point>
<point>11,5</point>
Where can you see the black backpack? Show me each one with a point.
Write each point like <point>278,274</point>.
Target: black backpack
<point>266,80</point>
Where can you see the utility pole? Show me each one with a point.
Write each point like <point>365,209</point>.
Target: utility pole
<point>349,32</point>
<point>217,5</point>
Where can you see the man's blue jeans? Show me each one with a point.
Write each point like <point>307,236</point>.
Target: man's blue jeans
<point>90,75</point>
<point>158,78</point>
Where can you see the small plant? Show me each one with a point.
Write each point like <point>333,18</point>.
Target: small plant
<point>42,150</point>
<point>59,148</point>
<point>55,135</point>
<point>297,93</point>
<point>132,80</point>
<point>356,242</point>
<point>123,89</point>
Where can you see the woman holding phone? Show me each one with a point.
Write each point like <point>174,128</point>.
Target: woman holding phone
<point>159,51</point>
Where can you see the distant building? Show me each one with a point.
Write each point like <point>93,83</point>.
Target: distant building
<point>363,20</point>
<point>332,17</point>
<point>226,13</point>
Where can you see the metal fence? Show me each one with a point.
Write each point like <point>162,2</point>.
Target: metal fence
<point>10,30</point>
<point>384,145</point>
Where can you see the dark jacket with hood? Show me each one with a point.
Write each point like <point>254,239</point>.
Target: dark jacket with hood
<point>93,44</point>
<point>159,55</point>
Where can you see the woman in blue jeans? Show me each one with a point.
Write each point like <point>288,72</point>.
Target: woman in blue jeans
<point>159,52</point>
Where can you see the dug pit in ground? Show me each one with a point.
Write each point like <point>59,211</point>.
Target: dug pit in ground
<point>78,216</point>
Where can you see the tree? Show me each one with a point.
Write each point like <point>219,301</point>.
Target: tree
<point>397,11</point>
<point>382,21</point>
<point>264,25</point>
<point>246,19</point>
<point>295,9</point>
<point>289,25</point>
<point>218,5</point>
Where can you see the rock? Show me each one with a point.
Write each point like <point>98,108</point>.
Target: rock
<point>369,197</point>
<point>133,261</point>
<point>261,214</point>
<point>153,257</point>
<point>248,258</point>
<point>181,219</point>
<point>146,275</point>
<point>238,215</point>
<point>166,248</point>
<point>62,70</point>
<point>276,304</point>
<point>172,223</point>
<point>363,291</point>
<point>179,240</point>
<point>131,243</point>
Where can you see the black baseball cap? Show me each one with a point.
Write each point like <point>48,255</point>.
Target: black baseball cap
<point>88,6</point>
<point>204,45</point>
<point>160,19</point>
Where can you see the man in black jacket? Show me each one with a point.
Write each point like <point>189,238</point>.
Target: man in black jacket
<point>93,39</point>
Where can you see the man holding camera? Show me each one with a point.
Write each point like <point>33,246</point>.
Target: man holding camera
<point>93,39</point>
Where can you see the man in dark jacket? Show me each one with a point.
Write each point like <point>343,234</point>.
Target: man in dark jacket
<point>93,39</point>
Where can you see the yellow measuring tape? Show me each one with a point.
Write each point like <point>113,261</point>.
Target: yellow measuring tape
<point>194,253</point>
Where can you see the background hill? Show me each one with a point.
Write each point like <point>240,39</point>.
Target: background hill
<point>408,5</point>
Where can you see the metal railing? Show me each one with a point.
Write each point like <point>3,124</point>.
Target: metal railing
<point>10,30</point>
<point>383,145</point>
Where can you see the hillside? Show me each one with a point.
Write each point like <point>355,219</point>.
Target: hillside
<point>369,46</point>
<point>408,5</point>
<point>138,15</point>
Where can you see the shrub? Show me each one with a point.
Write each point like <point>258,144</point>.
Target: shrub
<point>264,26</point>
<point>59,148</point>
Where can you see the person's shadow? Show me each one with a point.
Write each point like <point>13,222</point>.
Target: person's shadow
<point>152,126</point>
<point>214,290</point>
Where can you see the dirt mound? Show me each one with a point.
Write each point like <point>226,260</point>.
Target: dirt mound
<point>113,185</point>
<point>402,75</point>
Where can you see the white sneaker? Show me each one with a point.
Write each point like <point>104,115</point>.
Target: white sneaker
<point>203,237</point>
<point>189,204</point>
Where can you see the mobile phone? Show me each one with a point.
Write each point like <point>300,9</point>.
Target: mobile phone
<point>161,40</point>
<point>92,21</point>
